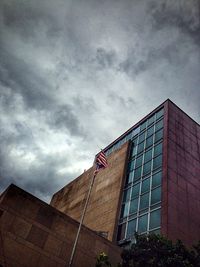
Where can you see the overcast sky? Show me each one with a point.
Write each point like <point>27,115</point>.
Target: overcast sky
<point>75,74</point>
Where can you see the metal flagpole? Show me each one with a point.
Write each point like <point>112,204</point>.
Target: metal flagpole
<point>81,221</point>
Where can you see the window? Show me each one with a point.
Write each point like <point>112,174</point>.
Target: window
<point>149,141</point>
<point>135,190</point>
<point>129,178</point>
<point>134,151</point>
<point>155,195</point>
<point>159,114</point>
<point>150,120</point>
<point>158,135</point>
<point>137,173</point>
<point>159,125</point>
<point>141,203</point>
<point>156,179</point>
<point>142,223</point>
<point>144,201</point>
<point>131,165</point>
<point>138,161</point>
<point>150,131</point>
<point>143,126</point>
<point>131,228</point>
<point>126,196</point>
<point>145,186</point>
<point>136,131</point>
<point>134,205</point>
<point>141,137</point>
<point>124,211</point>
<point>157,149</point>
<point>121,231</point>
<point>140,147</point>
<point>147,168</point>
<point>157,162</point>
<point>155,217</point>
<point>148,155</point>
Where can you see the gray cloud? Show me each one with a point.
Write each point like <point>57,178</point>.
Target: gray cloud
<point>182,15</point>
<point>75,75</point>
<point>63,118</point>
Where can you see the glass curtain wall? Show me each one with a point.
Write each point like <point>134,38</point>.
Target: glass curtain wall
<point>141,203</point>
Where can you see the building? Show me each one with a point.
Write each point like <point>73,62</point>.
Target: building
<point>34,234</point>
<point>152,183</point>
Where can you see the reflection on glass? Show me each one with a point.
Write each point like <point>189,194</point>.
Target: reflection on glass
<point>158,135</point>
<point>135,190</point>
<point>155,217</point>
<point>140,147</point>
<point>121,231</point>
<point>150,131</point>
<point>157,149</point>
<point>151,120</point>
<point>137,173</point>
<point>157,162</point>
<point>155,195</point>
<point>149,141</point>
<point>134,205</point>
<point>147,168</point>
<point>141,137</point>
<point>156,179</point>
<point>142,223</point>
<point>145,186</point>
<point>126,195</point>
<point>159,125</point>
<point>124,211</point>
<point>159,113</point>
<point>144,201</point>
<point>148,155</point>
<point>143,126</point>
<point>138,161</point>
<point>131,228</point>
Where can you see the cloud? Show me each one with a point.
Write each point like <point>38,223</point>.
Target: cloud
<point>75,75</point>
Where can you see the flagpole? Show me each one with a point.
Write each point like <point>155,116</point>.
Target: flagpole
<point>81,221</point>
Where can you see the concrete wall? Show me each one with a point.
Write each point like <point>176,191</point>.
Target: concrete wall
<point>34,234</point>
<point>104,204</point>
<point>181,177</point>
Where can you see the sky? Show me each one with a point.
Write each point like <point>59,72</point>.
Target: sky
<point>74,75</point>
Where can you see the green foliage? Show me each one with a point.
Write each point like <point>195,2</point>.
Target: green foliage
<point>158,251</point>
<point>102,260</point>
<point>155,251</point>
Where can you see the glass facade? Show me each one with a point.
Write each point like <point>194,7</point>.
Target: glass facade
<point>141,202</point>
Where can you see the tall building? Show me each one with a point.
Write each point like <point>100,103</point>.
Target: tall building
<point>152,183</point>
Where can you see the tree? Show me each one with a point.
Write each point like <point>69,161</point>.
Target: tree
<point>158,251</point>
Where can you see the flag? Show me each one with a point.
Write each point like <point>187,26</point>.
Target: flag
<point>101,161</point>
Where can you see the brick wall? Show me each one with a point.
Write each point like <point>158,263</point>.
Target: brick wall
<point>33,233</point>
<point>181,181</point>
<point>104,204</point>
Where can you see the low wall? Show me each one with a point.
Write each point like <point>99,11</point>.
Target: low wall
<point>34,234</point>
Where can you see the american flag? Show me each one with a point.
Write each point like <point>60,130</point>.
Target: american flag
<point>101,161</point>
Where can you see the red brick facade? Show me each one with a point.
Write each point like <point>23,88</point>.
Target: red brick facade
<point>181,176</point>
<point>104,205</point>
<point>34,234</point>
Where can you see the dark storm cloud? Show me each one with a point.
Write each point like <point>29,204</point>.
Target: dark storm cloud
<point>23,78</point>
<point>186,19</point>
<point>63,118</point>
<point>39,180</point>
<point>105,58</point>
<point>166,16</point>
<point>27,17</point>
